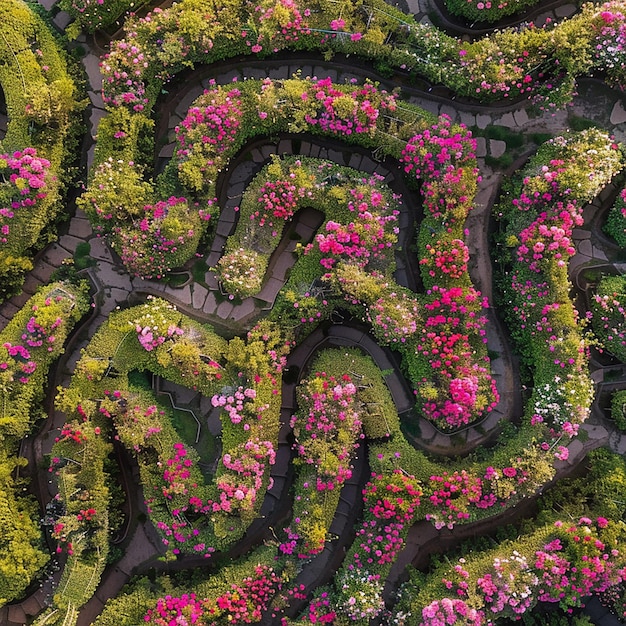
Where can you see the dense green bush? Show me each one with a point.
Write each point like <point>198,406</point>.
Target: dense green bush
<point>41,103</point>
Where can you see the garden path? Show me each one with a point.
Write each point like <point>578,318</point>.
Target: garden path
<point>115,287</point>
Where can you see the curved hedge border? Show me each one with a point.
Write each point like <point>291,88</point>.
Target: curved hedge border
<point>41,102</point>
<point>157,338</point>
<point>559,562</point>
<point>31,342</point>
<point>487,10</point>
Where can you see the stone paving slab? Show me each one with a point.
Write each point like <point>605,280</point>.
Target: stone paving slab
<point>31,284</point>
<point>242,311</point>
<point>43,271</point>
<point>225,309</point>
<point>80,227</point>
<point>200,294</point>
<point>92,68</point>
<point>100,251</point>
<point>69,242</point>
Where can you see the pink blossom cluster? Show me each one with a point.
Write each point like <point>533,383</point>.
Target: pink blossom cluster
<point>448,257</point>
<point>446,341</point>
<point>327,433</point>
<point>370,236</point>
<point>245,468</point>
<point>447,612</point>
<point>343,113</point>
<point>234,404</point>
<point>123,70</point>
<point>17,362</point>
<point>549,237</point>
<point>277,199</point>
<point>578,560</point>
<point>150,339</point>
<point>26,177</point>
<point>391,502</point>
<point>36,333</point>
<point>609,45</point>
<point>453,496</point>
<point>330,429</point>
<point>609,321</point>
<point>439,157</point>
<point>149,248</point>
<point>244,603</point>
<point>173,611</point>
<point>278,25</point>
<point>211,126</point>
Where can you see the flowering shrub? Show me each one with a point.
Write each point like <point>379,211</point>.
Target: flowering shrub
<point>171,610</point>
<point>447,257</point>
<point>154,324</point>
<point>467,391</point>
<point>559,563</point>
<point>451,611</point>
<point>486,10</point>
<point>615,225</point>
<point>95,14</point>
<point>24,180</point>
<point>369,237</point>
<point>206,136</point>
<point>241,272</point>
<point>338,112</point>
<point>325,439</point>
<point>163,239</point>
<point>609,320</point>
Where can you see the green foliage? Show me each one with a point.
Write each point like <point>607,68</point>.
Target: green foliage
<point>618,409</point>
<point>42,107</point>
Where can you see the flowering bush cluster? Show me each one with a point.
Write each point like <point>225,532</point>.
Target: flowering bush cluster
<point>539,218</point>
<point>341,113</point>
<point>163,239</point>
<point>369,238</point>
<point>206,136</point>
<point>447,258</point>
<point>241,272</point>
<point>454,325</point>
<point>24,180</point>
<point>326,437</point>
<point>608,307</point>
<point>443,158</point>
<point>458,496</point>
<point>564,564</point>
<point>451,611</point>
<point>154,325</point>
<point>244,602</point>
<point>95,14</point>
<point>487,10</point>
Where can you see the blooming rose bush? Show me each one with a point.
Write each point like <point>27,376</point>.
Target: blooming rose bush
<point>609,315</point>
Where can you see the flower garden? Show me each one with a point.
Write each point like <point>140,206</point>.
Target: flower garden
<point>329,358</point>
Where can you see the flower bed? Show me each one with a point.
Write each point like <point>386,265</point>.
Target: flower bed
<point>326,436</point>
<point>538,217</point>
<point>92,15</point>
<point>41,104</point>
<point>607,307</point>
<point>487,11</point>
<point>558,562</point>
<point>31,342</point>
